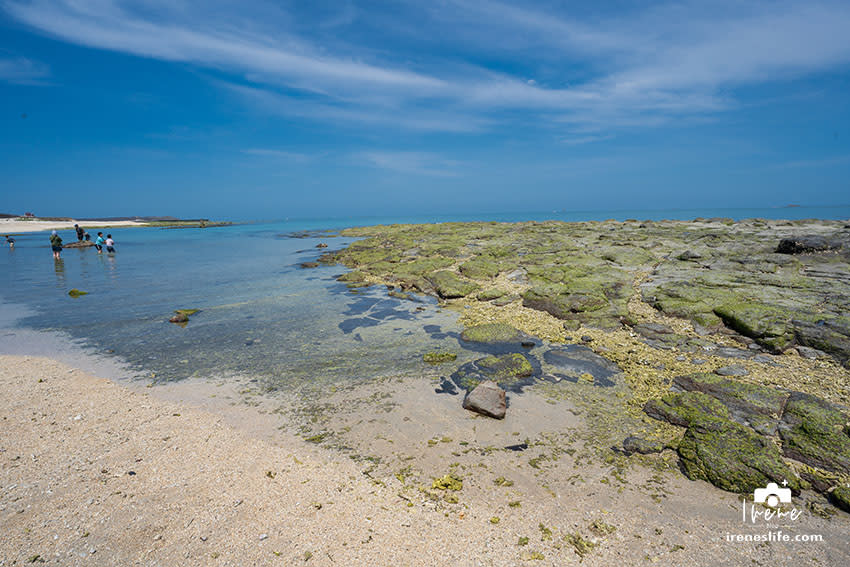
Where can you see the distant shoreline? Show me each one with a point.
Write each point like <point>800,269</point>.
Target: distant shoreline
<point>20,225</point>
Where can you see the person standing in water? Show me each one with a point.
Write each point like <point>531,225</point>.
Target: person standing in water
<point>110,244</point>
<point>56,245</point>
<point>80,232</point>
<point>10,241</point>
<point>99,242</point>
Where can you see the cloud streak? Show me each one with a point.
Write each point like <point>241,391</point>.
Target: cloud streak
<point>410,163</point>
<point>637,69</point>
<point>23,71</point>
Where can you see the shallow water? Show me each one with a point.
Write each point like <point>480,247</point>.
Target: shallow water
<point>260,313</point>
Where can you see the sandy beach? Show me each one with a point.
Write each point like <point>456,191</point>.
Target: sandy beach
<point>97,473</point>
<point>15,226</point>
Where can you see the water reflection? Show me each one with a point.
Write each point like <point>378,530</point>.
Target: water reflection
<point>59,270</point>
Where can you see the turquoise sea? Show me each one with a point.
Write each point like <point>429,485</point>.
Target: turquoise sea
<point>261,314</point>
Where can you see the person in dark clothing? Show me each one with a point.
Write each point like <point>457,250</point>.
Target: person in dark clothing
<point>80,232</point>
<point>10,241</point>
<point>56,245</point>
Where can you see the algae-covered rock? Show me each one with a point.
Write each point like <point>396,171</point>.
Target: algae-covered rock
<point>490,294</point>
<point>493,333</point>
<point>353,276</point>
<point>487,398</point>
<point>505,366</point>
<point>179,318</point>
<point>742,398</point>
<point>633,444</point>
<point>732,457</point>
<point>439,357</point>
<point>77,293</point>
<point>840,497</point>
<point>186,312</point>
<point>562,305</point>
<point>768,325</point>
<point>813,431</point>
<point>449,285</point>
<point>480,268</point>
<point>511,371</point>
<point>685,408</point>
<point>831,336</point>
<point>309,264</point>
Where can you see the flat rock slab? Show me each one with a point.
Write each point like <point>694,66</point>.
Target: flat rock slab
<point>734,370</point>
<point>496,337</point>
<point>740,397</point>
<point>487,399</point>
<point>732,352</point>
<point>575,360</point>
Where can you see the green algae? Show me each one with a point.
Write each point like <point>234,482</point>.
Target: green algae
<point>491,333</point>
<point>480,268</point>
<point>439,357</point>
<point>506,366</point>
<point>490,294</point>
<point>186,312</point>
<point>580,545</point>
<point>450,481</point>
<point>77,293</point>
<point>814,433</point>
<point>732,457</point>
<point>449,285</point>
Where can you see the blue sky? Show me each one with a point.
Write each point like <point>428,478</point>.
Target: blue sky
<point>287,109</point>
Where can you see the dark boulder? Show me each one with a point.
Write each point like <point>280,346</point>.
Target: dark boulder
<point>487,399</point>
<point>808,244</point>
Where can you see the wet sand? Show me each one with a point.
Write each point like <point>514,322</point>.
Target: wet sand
<point>94,472</point>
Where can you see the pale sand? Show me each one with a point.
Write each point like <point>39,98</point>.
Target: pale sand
<point>208,489</point>
<point>12,226</point>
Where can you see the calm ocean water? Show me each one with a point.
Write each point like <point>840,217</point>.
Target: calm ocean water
<point>261,314</point>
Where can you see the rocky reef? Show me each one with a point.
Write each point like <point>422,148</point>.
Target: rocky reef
<point>729,342</point>
<point>781,284</point>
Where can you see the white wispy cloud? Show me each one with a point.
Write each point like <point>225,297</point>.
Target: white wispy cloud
<point>20,70</point>
<point>283,155</point>
<point>410,163</point>
<point>639,68</point>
